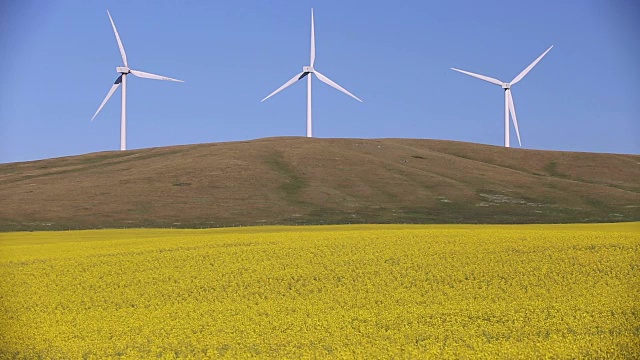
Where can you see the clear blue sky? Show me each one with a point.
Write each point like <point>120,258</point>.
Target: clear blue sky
<point>59,60</point>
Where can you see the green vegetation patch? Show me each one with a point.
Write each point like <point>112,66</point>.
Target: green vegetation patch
<point>292,187</point>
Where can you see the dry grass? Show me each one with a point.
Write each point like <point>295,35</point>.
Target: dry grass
<point>318,181</point>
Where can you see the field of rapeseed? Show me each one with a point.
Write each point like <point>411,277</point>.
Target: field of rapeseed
<point>555,291</point>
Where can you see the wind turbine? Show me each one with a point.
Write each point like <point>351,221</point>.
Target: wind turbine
<point>122,79</point>
<point>308,70</point>
<point>508,98</point>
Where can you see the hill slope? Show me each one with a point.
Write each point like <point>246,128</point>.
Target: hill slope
<point>317,181</point>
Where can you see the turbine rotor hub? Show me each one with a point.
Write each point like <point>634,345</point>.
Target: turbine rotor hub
<point>307,69</point>
<point>123,70</point>
<point>506,86</point>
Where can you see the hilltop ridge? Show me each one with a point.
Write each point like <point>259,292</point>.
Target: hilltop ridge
<point>295,180</point>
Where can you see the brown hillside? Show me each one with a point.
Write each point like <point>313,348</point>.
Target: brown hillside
<point>318,181</point>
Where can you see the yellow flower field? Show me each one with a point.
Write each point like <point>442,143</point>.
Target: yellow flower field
<point>365,291</point>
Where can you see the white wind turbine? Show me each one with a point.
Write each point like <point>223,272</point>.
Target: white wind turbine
<point>122,79</point>
<point>508,98</point>
<point>308,70</point>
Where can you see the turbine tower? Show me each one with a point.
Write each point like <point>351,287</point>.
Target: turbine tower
<point>306,72</point>
<point>122,79</point>
<point>508,98</point>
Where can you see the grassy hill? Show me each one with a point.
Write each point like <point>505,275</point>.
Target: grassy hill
<point>318,181</point>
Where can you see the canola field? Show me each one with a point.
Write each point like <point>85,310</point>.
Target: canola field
<point>365,291</point>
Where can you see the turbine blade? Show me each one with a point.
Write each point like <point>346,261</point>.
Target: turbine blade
<point>122,53</point>
<point>526,71</point>
<point>313,41</point>
<point>115,86</point>
<point>328,81</point>
<point>512,110</point>
<point>481,77</point>
<point>287,84</point>
<point>143,74</point>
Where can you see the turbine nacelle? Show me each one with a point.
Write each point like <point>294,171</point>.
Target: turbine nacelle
<point>123,70</point>
<point>506,86</point>
<point>308,69</point>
